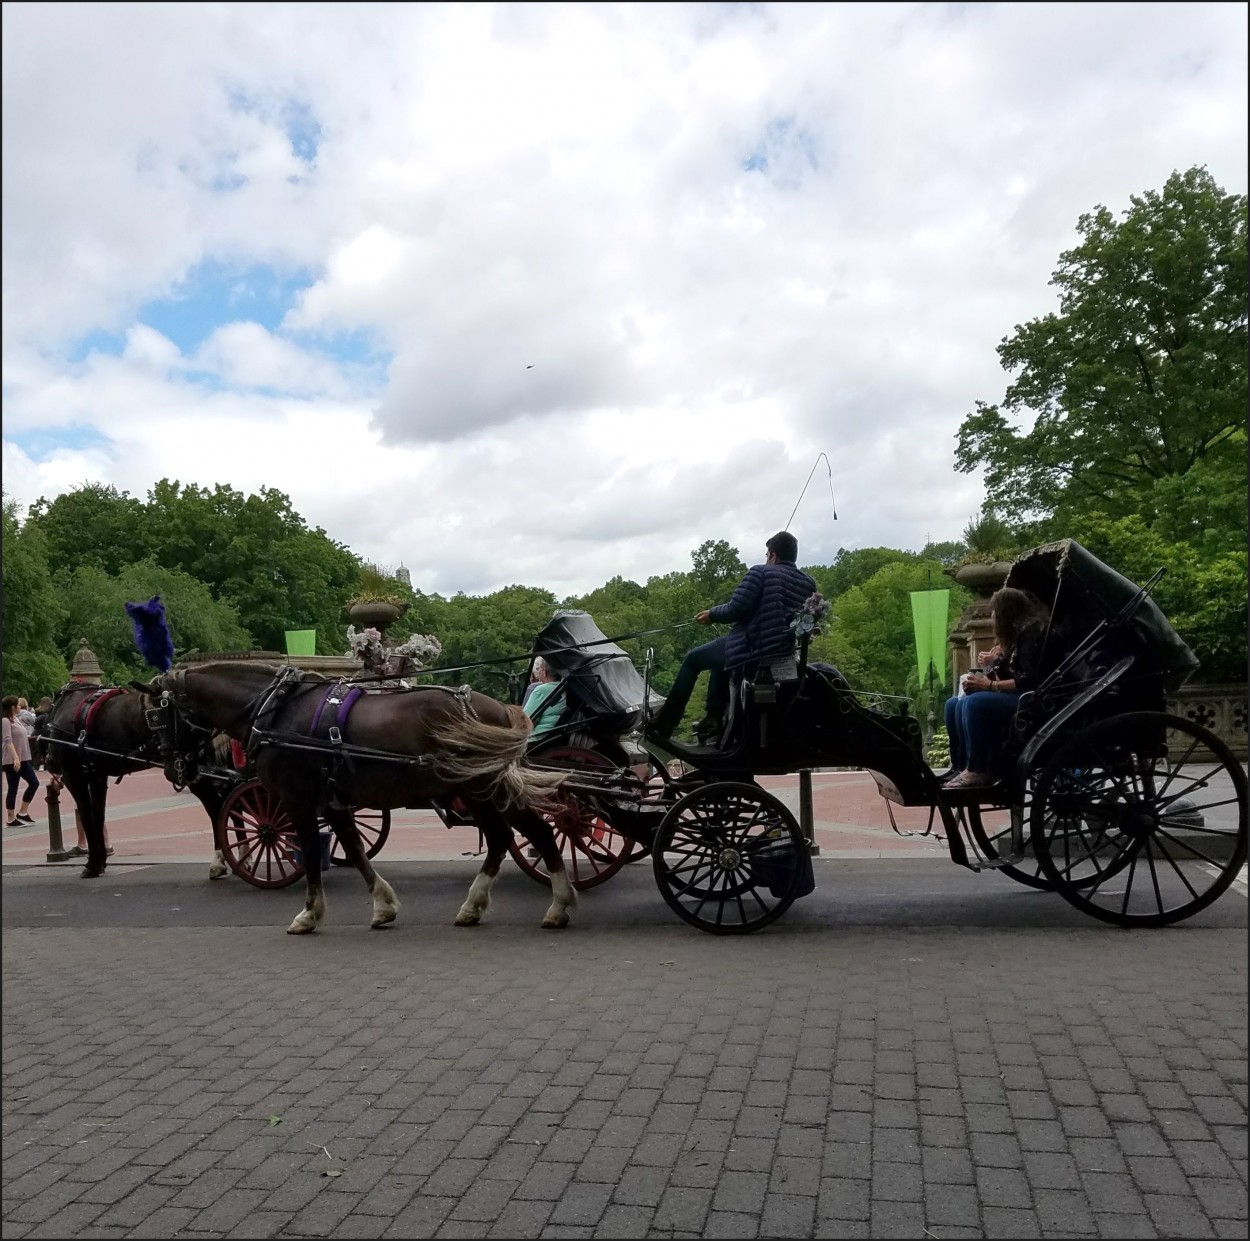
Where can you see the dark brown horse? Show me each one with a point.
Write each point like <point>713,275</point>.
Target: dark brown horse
<point>94,734</point>
<point>394,748</point>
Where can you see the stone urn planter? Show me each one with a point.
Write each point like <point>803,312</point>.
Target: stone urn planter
<point>982,579</point>
<point>376,614</point>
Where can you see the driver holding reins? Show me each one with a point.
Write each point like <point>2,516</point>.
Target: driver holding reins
<point>761,610</point>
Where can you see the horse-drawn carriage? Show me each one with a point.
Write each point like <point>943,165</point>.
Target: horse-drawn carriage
<point>1134,815</point>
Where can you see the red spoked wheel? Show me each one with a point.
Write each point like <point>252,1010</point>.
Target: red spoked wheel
<point>374,827</point>
<point>591,848</point>
<point>258,838</point>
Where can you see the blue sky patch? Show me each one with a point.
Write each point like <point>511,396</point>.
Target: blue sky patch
<point>40,443</point>
<point>214,294</point>
<point>785,152</point>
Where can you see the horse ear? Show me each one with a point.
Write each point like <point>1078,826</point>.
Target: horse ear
<point>146,687</point>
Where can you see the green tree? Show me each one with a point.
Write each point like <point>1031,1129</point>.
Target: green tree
<point>94,524</point>
<point>94,609</point>
<point>33,666</point>
<point>1138,380</point>
<point>717,569</point>
<point>854,566</point>
<point>872,638</point>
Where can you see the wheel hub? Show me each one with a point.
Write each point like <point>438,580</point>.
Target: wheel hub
<point>729,859</point>
<point>1140,820</point>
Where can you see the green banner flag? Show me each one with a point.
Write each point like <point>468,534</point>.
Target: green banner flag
<point>929,610</point>
<point>301,641</point>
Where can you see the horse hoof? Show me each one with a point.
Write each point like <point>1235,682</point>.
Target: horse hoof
<point>555,923</point>
<point>218,872</point>
<point>463,919</point>
<point>382,921</point>
<point>88,873</point>
<point>303,925</point>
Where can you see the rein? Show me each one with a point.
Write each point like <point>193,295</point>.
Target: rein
<point>513,659</point>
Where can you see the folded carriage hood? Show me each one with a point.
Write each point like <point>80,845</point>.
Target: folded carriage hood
<point>603,673</point>
<point>1103,593</point>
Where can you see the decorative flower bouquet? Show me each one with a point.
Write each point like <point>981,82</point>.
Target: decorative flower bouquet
<point>367,643</point>
<point>809,620</point>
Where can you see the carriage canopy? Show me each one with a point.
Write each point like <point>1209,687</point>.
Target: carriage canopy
<point>600,676</point>
<point>1081,591</point>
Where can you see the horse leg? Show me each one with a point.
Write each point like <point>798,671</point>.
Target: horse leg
<point>385,902</point>
<point>311,916</point>
<point>496,832</point>
<point>90,792</point>
<point>211,799</point>
<point>563,897</point>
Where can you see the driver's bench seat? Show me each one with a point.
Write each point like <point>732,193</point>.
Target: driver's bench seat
<point>756,696</point>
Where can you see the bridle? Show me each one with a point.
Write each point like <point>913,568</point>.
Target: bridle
<point>179,730</point>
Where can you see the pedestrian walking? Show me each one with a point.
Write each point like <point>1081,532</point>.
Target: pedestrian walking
<point>17,765</point>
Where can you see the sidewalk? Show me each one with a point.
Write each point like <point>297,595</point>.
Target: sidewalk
<point>148,822</point>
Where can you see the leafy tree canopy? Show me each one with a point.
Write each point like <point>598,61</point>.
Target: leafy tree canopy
<point>1137,381</point>
<point>33,611</point>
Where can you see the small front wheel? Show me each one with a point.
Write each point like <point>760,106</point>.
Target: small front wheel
<point>374,827</point>
<point>590,847</point>
<point>258,838</point>
<point>729,858</point>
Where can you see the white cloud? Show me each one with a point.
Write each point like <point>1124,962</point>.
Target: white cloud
<point>608,340</point>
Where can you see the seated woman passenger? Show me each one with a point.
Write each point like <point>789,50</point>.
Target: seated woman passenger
<point>977,722</point>
<point>543,702</point>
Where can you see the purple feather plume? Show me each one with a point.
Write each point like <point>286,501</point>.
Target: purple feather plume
<point>151,633</point>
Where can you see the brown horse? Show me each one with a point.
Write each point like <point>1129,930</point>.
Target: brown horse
<point>92,735</point>
<point>395,748</point>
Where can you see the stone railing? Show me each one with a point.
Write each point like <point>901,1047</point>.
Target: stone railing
<point>1220,708</point>
<point>328,665</point>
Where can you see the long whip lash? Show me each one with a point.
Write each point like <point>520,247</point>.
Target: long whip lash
<point>802,493</point>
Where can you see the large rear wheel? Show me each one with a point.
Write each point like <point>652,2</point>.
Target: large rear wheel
<point>1151,815</point>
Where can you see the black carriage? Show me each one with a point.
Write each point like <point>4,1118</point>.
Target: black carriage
<point>1132,814</point>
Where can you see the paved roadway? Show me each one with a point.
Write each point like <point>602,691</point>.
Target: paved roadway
<point>914,1051</point>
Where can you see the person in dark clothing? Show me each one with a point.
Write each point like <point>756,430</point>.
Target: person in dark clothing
<point>977,722</point>
<point>761,610</point>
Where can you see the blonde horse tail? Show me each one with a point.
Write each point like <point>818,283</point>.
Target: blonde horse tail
<point>492,754</point>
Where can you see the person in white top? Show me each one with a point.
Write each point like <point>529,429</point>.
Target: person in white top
<point>17,765</point>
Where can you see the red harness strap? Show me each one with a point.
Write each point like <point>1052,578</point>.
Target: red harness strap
<point>89,707</point>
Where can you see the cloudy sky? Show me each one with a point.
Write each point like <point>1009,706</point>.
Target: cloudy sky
<point>547,294</point>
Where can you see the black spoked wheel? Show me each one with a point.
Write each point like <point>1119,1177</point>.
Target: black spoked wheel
<point>1140,819</point>
<point>729,858</point>
<point>993,830</point>
<point>374,827</point>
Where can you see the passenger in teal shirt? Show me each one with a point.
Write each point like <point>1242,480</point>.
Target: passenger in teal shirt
<point>544,685</point>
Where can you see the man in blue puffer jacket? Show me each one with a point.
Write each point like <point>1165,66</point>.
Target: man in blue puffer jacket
<point>761,609</point>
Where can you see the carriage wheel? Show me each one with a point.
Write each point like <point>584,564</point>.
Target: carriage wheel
<point>1150,839</point>
<point>374,827</point>
<point>258,838</point>
<point>591,848</point>
<point>729,858</point>
<point>995,840</point>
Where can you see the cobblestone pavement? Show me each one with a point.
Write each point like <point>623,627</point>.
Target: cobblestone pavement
<point>912,1052</point>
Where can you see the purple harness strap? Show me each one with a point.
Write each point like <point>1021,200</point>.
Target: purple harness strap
<point>330,718</point>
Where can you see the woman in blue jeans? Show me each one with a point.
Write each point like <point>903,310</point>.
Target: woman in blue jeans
<point>977,722</point>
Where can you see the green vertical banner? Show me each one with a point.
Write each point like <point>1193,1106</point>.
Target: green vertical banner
<point>929,609</point>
